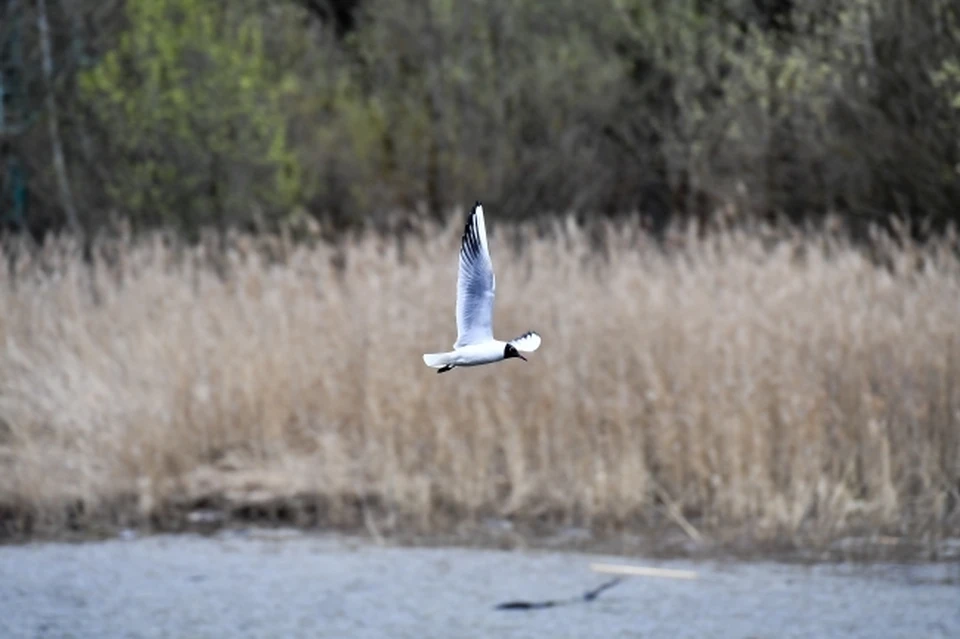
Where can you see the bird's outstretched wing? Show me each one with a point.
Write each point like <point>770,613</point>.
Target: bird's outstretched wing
<point>528,342</point>
<point>475,284</point>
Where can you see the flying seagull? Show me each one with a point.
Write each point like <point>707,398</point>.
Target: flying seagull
<point>476,283</point>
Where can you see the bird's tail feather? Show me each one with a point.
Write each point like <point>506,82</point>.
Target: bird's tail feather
<point>436,360</point>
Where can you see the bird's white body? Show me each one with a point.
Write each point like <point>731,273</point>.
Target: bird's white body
<point>476,286</point>
<point>469,355</point>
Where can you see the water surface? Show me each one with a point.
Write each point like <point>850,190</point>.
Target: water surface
<point>293,585</point>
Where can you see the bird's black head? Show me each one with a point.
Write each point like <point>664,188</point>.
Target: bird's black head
<point>511,351</point>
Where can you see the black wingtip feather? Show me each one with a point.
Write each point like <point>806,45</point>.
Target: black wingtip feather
<point>470,243</point>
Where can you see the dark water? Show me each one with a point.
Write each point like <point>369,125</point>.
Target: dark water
<point>302,586</point>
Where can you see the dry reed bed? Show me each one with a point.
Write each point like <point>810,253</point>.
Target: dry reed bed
<point>789,389</point>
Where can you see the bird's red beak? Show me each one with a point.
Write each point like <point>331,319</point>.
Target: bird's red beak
<point>521,357</point>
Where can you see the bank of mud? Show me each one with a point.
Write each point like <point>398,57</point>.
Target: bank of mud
<point>661,533</point>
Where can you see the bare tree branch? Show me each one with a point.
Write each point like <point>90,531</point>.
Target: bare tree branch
<point>59,163</point>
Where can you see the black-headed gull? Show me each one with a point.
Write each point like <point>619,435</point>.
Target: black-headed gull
<point>476,284</point>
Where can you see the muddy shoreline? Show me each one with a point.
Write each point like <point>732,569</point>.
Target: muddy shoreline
<point>660,537</point>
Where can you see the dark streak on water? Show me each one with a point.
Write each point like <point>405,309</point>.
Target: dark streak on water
<point>304,586</point>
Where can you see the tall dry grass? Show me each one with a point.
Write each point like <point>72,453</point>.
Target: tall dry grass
<point>790,389</point>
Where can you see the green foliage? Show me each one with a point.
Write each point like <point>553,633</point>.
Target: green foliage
<point>454,100</point>
<point>194,109</point>
<point>220,113</point>
<point>948,78</point>
<point>813,115</point>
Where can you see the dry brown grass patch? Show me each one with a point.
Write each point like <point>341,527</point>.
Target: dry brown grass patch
<point>791,389</point>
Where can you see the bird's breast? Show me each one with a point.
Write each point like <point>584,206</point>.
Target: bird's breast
<point>476,354</point>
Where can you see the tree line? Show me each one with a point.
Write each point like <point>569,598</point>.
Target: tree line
<point>188,114</point>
